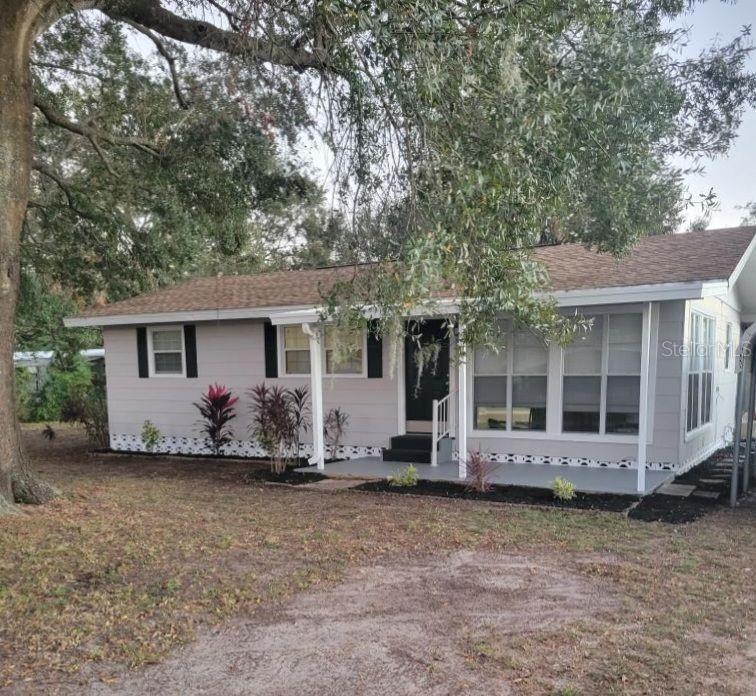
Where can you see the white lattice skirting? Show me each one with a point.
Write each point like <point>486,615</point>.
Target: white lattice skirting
<point>250,449</point>
<point>236,448</point>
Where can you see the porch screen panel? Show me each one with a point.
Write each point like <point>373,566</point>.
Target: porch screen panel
<point>490,386</point>
<point>581,388</point>
<point>529,381</point>
<point>624,345</point>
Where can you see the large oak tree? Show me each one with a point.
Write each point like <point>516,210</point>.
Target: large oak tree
<point>489,125</point>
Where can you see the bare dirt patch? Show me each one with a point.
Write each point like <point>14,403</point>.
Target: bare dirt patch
<point>418,626</point>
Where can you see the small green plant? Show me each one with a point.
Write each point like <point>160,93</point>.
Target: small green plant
<point>406,478</point>
<point>563,489</point>
<point>150,435</point>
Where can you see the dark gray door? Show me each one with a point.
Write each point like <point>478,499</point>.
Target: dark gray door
<point>434,383</point>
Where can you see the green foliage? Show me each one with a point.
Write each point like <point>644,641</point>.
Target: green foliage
<point>463,132</point>
<point>523,123</point>
<point>406,478</point>
<point>563,489</point>
<point>23,389</point>
<point>87,405</point>
<point>61,385</point>
<point>122,220</point>
<point>150,435</point>
<point>39,319</point>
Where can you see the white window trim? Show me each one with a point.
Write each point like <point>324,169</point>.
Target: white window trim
<point>282,358</point>
<point>602,434</point>
<point>702,428</point>
<point>151,351</point>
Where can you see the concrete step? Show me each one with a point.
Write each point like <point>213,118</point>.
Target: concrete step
<point>415,456</point>
<point>412,441</point>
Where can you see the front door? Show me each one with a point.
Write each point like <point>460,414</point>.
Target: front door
<point>426,382</point>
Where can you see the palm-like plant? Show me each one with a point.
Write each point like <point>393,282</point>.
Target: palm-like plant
<point>217,410</point>
<point>273,423</point>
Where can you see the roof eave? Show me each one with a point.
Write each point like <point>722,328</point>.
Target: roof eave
<point>298,314</point>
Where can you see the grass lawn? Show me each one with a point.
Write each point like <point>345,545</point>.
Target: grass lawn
<point>143,555</point>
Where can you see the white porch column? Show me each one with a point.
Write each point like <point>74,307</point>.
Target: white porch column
<point>316,394</point>
<point>461,404</point>
<point>643,422</point>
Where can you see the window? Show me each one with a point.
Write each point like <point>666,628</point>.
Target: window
<point>167,351</point>
<point>601,381</point>
<point>296,350</point>
<point>344,352</point>
<point>700,371</point>
<point>509,387</point>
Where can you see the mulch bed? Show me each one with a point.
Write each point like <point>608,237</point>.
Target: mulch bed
<point>672,509</point>
<point>507,494</point>
<point>682,510</point>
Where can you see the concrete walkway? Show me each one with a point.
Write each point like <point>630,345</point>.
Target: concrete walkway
<point>585,479</point>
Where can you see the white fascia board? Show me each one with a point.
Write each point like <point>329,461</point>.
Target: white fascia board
<point>296,317</point>
<point>639,293</point>
<point>179,317</point>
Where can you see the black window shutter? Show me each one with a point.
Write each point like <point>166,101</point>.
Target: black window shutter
<point>271,350</point>
<point>142,361</point>
<point>374,353</point>
<point>190,348</point>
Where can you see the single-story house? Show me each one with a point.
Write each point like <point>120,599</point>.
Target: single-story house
<point>648,392</point>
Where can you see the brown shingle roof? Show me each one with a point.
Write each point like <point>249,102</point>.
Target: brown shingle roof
<point>695,256</point>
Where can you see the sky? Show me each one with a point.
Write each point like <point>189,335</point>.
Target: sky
<point>733,177</point>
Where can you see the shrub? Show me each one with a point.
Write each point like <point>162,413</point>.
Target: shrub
<point>334,427</point>
<point>217,410</point>
<point>479,470</point>
<point>88,405</point>
<point>563,489</point>
<point>150,435</point>
<point>406,478</point>
<point>23,380</point>
<point>61,385</point>
<point>300,412</point>
<point>273,423</point>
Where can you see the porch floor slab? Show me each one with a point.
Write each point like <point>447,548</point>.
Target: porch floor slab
<point>585,479</point>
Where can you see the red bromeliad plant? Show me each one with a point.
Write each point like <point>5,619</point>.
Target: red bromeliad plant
<point>217,409</point>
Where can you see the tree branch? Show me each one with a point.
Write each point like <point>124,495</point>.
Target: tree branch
<point>51,174</point>
<point>67,68</point>
<point>151,14</point>
<point>169,58</point>
<point>91,133</point>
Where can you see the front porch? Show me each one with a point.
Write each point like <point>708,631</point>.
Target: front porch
<point>586,479</point>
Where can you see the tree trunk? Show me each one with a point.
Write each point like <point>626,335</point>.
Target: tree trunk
<point>18,20</point>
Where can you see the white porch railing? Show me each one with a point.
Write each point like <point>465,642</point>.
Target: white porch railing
<point>441,424</point>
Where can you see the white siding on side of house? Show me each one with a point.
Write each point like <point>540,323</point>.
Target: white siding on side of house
<point>696,446</point>
<point>232,353</point>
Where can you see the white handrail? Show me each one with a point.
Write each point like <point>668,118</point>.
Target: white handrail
<point>441,425</point>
